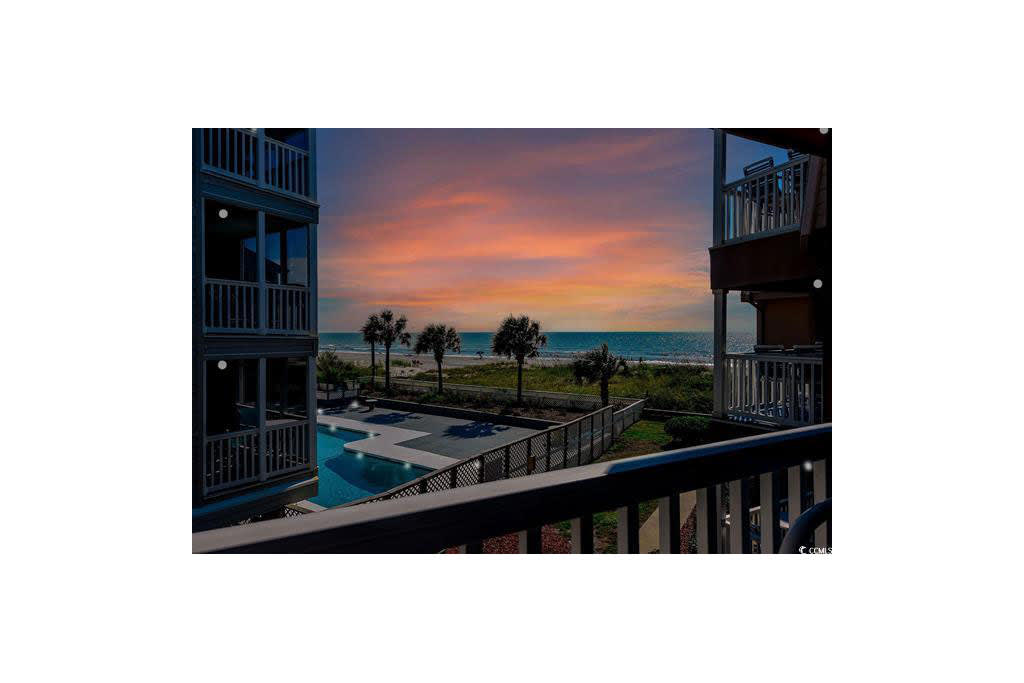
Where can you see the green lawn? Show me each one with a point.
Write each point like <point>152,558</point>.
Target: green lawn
<point>646,436</point>
<point>669,387</point>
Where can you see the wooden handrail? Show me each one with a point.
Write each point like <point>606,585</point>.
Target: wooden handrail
<point>430,522</point>
<point>771,170</point>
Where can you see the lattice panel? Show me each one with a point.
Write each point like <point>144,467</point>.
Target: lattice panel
<point>441,481</point>
<point>517,459</point>
<point>407,491</point>
<point>468,473</point>
<point>494,465</point>
<point>538,447</point>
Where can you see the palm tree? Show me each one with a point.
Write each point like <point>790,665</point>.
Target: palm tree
<point>372,335</point>
<point>597,365</point>
<point>519,338</point>
<point>391,330</point>
<point>438,338</point>
<point>329,370</point>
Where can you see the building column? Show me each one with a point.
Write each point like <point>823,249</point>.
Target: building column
<point>261,267</point>
<point>261,416</point>
<point>717,199</point>
<point>311,411</point>
<point>719,377</point>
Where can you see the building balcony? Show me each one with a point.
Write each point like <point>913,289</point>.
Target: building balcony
<point>275,159</point>
<point>242,307</point>
<point>768,493</point>
<point>242,458</point>
<point>765,202</point>
<point>774,388</point>
<point>768,232</point>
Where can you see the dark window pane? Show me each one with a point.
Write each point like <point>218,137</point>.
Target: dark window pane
<point>230,241</point>
<point>231,393</point>
<point>297,262</point>
<point>287,389</point>
<point>273,258</point>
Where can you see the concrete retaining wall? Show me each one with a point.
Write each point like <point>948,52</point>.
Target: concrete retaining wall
<point>552,399</point>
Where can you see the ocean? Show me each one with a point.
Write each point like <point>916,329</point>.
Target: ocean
<point>675,347</point>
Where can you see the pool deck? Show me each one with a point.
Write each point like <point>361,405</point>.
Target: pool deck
<point>431,441</point>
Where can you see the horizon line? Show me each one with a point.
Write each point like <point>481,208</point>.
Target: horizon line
<point>549,331</point>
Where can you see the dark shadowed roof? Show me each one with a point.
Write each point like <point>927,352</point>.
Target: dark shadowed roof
<point>808,140</point>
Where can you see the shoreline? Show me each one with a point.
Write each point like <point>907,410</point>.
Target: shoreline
<point>426,362</point>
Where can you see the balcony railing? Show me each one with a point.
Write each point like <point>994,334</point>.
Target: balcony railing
<point>768,201</point>
<point>245,154</point>
<point>234,306</point>
<point>773,463</point>
<point>287,308</point>
<point>286,168</point>
<point>575,443</point>
<point>233,460</point>
<point>230,460</point>
<point>779,388</point>
<point>288,448</point>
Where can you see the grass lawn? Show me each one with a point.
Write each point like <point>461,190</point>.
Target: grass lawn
<point>669,387</point>
<point>646,436</point>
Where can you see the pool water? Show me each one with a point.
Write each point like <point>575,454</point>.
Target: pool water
<point>346,476</point>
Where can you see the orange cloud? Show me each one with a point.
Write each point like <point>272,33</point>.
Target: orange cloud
<point>604,231</point>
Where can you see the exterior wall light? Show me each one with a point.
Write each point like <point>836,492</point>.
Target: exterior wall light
<point>223,213</point>
<point>818,284</point>
<point>222,365</point>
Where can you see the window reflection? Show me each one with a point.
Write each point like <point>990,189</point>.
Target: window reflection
<point>287,397</point>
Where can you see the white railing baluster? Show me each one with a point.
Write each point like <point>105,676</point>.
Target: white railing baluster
<point>765,201</point>
<point>781,389</point>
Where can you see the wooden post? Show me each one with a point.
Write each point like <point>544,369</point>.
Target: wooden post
<point>821,534</point>
<point>668,524</point>
<point>718,381</point>
<point>261,160</point>
<point>312,163</point>
<point>629,529</point>
<point>579,442</point>
<point>530,541</point>
<point>591,438</point>
<point>739,517</point>
<point>311,408</point>
<point>583,534</point>
<point>707,520</point>
<point>261,415</point>
<point>770,536</point>
<point>794,498</point>
<point>547,451</point>
<point>718,180</point>
<point>261,265</point>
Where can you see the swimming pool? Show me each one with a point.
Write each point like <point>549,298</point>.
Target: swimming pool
<point>346,476</point>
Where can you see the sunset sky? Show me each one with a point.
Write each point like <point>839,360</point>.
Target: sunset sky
<point>584,230</point>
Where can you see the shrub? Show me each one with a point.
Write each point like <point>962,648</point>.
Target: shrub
<point>687,430</point>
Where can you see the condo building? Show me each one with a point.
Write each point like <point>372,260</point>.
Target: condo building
<point>254,322</point>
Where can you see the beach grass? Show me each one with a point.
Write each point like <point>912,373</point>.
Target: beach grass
<point>668,387</point>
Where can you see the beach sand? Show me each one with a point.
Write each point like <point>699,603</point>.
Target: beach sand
<point>426,362</point>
